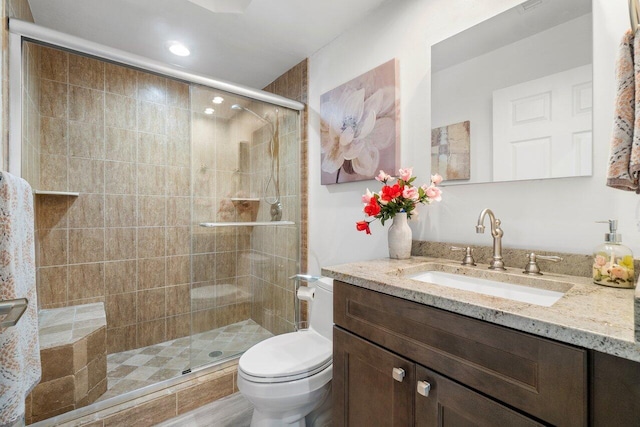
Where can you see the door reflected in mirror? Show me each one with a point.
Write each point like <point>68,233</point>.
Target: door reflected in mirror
<point>522,81</point>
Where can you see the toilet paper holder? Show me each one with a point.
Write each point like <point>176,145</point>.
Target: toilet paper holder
<point>302,294</point>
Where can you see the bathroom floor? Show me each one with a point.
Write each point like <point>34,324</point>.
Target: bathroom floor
<point>134,369</point>
<point>230,411</point>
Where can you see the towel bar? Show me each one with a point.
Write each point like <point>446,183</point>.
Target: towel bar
<point>634,11</point>
<point>12,310</point>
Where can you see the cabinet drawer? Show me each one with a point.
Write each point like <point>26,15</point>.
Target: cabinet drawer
<point>538,376</point>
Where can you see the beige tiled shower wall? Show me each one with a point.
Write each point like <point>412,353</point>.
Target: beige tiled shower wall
<point>275,249</point>
<point>280,252</point>
<point>220,295</point>
<point>121,138</point>
<point>294,84</point>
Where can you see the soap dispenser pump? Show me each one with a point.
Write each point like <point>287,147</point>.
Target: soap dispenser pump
<point>612,261</point>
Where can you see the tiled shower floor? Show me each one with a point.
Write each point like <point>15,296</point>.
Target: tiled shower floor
<point>134,369</point>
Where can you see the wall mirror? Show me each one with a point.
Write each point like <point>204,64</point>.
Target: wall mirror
<point>511,97</point>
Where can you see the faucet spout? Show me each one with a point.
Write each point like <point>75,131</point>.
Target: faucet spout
<point>497,233</point>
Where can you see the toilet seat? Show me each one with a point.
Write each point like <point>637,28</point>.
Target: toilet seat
<point>286,357</point>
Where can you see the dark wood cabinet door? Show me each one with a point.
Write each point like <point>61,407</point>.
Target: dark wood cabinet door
<point>615,391</point>
<point>450,404</point>
<point>365,392</point>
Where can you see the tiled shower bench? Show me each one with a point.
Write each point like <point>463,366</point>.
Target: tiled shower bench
<point>74,360</point>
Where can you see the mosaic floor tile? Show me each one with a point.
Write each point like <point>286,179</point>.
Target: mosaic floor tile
<point>134,369</point>
<point>138,360</point>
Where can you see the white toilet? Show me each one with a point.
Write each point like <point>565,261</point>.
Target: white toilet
<point>288,376</point>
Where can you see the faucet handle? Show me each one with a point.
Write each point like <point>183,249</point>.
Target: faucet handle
<point>532,266</point>
<point>468,258</point>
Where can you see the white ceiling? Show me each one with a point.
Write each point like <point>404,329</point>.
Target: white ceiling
<point>251,48</point>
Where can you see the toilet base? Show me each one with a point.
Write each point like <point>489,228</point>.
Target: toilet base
<point>294,411</point>
<point>266,420</point>
<point>318,415</point>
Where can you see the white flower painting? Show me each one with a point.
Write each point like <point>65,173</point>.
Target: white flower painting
<point>360,126</point>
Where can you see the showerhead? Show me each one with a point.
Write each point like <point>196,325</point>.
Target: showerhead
<point>241,108</point>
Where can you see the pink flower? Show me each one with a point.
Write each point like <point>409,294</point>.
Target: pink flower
<point>436,179</point>
<point>410,193</point>
<point>367,196</point>
<point>383,177</point>
<point>405,174</point>
<point>619,272</point>
<point>433,193</point>
<point>600,261</point>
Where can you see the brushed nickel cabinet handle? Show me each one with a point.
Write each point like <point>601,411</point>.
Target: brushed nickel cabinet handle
<point>424,388</point>
<point>398,374</point>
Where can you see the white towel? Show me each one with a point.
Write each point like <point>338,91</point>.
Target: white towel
<point>20,369</point>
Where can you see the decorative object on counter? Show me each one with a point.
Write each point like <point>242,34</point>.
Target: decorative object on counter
<point>612,261</point>
<point>450,151</point>
<point>398,201</point>
<point>399,237</point>
<point>360,129</point>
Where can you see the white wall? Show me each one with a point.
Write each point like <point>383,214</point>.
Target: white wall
<point>549,215</point>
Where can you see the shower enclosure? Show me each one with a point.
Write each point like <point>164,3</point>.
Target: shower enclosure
<point>173,203</point>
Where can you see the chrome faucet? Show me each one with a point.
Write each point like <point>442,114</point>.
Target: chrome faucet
<point>497,233</point>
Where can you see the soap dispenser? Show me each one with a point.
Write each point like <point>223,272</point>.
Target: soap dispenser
<point>612,261</point>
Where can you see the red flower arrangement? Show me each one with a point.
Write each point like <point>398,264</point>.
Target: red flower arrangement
<point>400,197</point>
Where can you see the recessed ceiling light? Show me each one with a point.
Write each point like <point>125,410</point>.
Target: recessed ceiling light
<point>209,110</point>
<point>179,49</point>
<point>218,100</point>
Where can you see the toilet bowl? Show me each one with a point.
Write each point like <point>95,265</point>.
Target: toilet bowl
<point>288,376</point>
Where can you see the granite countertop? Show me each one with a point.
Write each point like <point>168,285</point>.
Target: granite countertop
<point>588,315</point>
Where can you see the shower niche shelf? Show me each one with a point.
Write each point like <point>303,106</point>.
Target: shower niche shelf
<point>56,193</point>
<point>246,224</point>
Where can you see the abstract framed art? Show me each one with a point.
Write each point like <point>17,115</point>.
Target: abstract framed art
<point>450,151</point>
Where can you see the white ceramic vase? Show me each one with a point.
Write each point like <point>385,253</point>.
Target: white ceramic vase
<point>400,237</point>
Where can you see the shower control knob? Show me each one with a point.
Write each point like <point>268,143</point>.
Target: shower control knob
<point>398,374</point>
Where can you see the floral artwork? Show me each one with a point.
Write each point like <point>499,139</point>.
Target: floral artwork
<point>360,127</point>
<point>402,196</point>
<point>450,151</point>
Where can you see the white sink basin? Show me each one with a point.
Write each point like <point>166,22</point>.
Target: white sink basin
<point>531,295</point>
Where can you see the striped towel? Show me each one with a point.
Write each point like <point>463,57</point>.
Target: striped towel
<point>19,347</point>
<point>624,157</point>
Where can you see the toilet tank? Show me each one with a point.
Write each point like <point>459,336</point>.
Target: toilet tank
<point>321,316</point>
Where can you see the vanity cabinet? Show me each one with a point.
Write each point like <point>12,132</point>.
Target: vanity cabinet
<point>479,373</point>
<point>366,393</point>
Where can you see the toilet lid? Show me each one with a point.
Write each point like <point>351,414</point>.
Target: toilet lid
<point>286,357</point>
